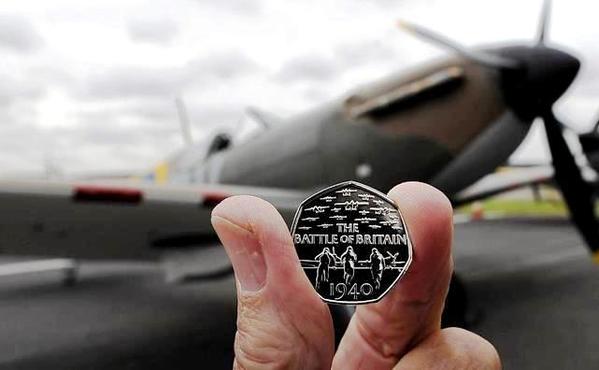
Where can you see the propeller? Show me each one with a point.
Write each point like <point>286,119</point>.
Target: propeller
<point>543,75</point>
<point>577,193</point>
<point>477,56</point>
<point>184,121</point>
<point>544,23</point>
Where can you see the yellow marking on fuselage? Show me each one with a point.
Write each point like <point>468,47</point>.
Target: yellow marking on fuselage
<point>596,257</point>
<point>161,173</point>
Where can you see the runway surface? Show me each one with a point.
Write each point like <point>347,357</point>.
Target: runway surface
<point>532,287</point>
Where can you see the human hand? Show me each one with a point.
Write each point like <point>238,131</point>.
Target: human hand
<point>283,324</point>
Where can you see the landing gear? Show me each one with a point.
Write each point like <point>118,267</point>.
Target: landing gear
<point>456,305</point>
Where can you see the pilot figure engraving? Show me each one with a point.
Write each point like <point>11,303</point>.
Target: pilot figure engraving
<point>324,261</point>
<point>349,259</point>
<point>377,264</point>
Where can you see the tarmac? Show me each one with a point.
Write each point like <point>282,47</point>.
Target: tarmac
<point>533,292</point>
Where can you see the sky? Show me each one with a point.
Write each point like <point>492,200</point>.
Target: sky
<point>90,86</point>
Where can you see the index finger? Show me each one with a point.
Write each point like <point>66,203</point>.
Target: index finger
<point>380,334</point>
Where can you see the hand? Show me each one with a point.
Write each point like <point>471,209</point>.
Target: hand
<point>283,324</point>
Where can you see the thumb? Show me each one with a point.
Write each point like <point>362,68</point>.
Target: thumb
<point>281,323</point>
<point>380,334</point>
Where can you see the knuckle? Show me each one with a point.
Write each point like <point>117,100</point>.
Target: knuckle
<point>382,345</point>
<point>249,305</point>
<point>470,351</point>
<point>261,341</point>
<point>451,349</point>
<point>258,351</point>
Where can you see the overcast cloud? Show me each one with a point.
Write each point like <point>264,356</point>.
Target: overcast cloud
<point>158,31</point>
<point>17,33</point>
<point>91,85</point>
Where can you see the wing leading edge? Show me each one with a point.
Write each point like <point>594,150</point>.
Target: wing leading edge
<point>504,181</point>
<point>115,221</point>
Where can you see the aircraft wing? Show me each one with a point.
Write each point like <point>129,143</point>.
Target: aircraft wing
<point>119,220</point>
<point>504,181</point>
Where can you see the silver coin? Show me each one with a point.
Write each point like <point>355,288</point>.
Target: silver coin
<point>352,242</point>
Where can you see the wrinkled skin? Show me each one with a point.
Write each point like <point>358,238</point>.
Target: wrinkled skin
<point>282,324</point>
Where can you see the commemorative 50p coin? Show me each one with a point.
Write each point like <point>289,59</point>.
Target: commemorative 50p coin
<point>352,242</point>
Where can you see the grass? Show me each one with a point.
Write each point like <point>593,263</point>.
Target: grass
<point>520,207</point>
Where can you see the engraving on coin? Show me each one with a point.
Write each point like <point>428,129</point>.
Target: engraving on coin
<point>352,243</point>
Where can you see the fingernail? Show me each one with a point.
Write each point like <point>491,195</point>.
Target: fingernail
<point>244,251</point>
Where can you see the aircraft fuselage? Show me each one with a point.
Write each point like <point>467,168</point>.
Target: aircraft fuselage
<point>445,124</point>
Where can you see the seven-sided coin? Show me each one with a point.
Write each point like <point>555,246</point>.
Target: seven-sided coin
<point>352,243</point>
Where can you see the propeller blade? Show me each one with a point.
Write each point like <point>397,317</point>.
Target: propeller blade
<point>184,121</point>
<point>477,56</point>
<point>577,193</point>
<point>544,22</point>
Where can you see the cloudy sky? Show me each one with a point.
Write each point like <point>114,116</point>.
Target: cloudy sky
<point>89,85</point>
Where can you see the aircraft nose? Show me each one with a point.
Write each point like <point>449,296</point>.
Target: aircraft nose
<point>551,72</point>
<point>545,75</point>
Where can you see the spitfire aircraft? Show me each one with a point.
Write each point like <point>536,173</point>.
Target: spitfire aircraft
<point>449,123</point>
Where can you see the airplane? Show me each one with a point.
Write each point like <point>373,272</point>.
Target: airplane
<point>449,123</point>
<point>380,210</point>
<point>317,209</point>
<point>351,205</point>
<point>366,196</point>
<point>346,192</point>
<point>365,220</point>
<point>338,217</point>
